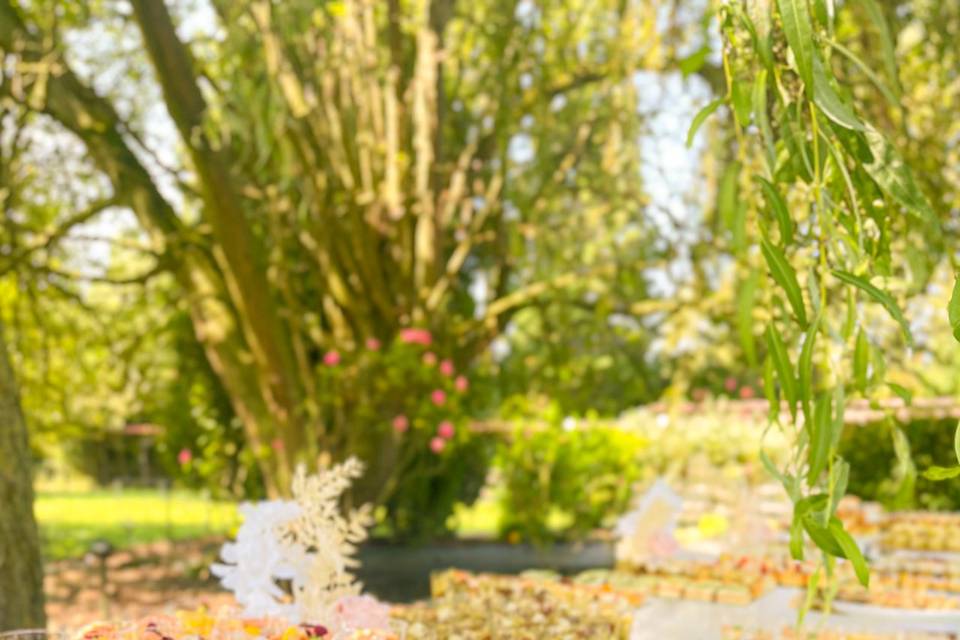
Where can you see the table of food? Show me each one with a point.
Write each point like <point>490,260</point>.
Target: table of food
<point>291,567</point>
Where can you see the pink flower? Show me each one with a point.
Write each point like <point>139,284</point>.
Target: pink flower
<point>438,397</point>
<point>373,344</point>
<point>746,392</point>
<point>277,444</point>
<point>429,358</point>
<point>461,384</point>
<point>401,423</point>
<point>331,358</point>
<point>730,384</point>
<point>185,456</point>
<point>446,368</point>
<point>416,336</point>
<point>445,430</point>
<point>437,444</point>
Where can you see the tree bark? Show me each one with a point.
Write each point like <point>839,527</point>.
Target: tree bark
<point>21,566</point>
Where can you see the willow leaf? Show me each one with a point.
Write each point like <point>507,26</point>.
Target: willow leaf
<point>786,277</point>
<point>820,438</point>
<point>894,178</point>
<point>880,296</point>
<point>953,308</point>
<point>783,367</point>
<point>746,298</point>
<point>779,208</point>
<point>805,366</point>
<point>888,49</point>
<point>861,359</point>
<point>830,102</point>
<point>850,551</point>
<point>799,33</point>
<point>700,118</point>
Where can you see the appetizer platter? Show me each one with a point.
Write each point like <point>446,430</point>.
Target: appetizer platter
<point>481,606</point>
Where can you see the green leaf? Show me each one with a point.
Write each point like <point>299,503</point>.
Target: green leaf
<point>830,102</point>
<point>799,33</point>
<point>901,391</point>
<point>783,367</point>
<point>956,442</point>
<point>805,367</point>
<point>785,480</point>
<point>821,437</point>
<point>699,119</point>
<point>880,296</point>
<point>786,277</point>
<point>887,46</point>
<point>941,473</point>
<point>861,359</point>
<point>770,388</point>
<point>840,406</point>
<point>796,537</point>
<point>811,511</point>
<point>850,551</point>
<point>839,478</point>
<point>894,178</point>
<point>953,308</point>
<point>867,71</point>
<point>746,297</point>
<point>761,118</point>
<point>694,62</point>
<point>779,207</point>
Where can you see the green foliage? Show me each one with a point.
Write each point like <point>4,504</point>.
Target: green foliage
<point>876,473</point>
<point>840,174</point>
<point>561,483</point>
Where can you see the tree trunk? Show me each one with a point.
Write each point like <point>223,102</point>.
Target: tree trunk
<point>21,568</point>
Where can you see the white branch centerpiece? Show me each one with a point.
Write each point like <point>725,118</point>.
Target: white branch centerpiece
<point>292,559</point>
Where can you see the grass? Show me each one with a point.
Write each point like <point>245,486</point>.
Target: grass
<point>71,521</point>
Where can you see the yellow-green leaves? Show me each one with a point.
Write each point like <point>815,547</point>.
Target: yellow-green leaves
<point>892,175</point>
<point>806,367</point>
<point>700,118</point>
<point>786,277</point>
<point>956,443</point>
<point>821,437</point>
<point>829,101</point>
<point>880,296</point>
<point>780,360</point>
<point>953,309</point>
<point>799,33</point>
<point>861,360</point>
<point>779,209</point>
<point>850,551</point>
<point>746,297</point>
<point>941,473</point>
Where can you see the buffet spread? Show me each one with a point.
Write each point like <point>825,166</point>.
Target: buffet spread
<point>291,572</point>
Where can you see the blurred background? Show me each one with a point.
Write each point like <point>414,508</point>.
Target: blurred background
<point>468,242</point>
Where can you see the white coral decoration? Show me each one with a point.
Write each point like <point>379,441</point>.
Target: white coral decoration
<point>307,541</point>
<point>258,559</point>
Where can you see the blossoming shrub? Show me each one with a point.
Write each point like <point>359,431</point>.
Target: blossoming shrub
<point>403,408</point>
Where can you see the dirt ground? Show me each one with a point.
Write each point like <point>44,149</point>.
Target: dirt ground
<point>148,579</point>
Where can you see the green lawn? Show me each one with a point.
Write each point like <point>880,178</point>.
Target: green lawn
<point>70,521</point>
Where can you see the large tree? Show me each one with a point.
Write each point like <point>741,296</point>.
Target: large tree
<point>347,169</point>
<point>21,568</point>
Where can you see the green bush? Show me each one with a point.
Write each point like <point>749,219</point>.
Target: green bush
<point>561,483</point>
<point>873,464</point>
